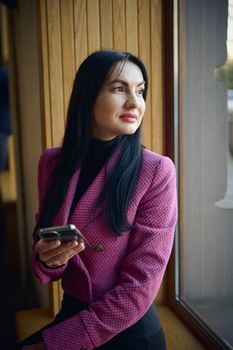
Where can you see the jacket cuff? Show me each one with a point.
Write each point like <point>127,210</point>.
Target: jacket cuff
<point>44,272</point>
<point>76,335</point>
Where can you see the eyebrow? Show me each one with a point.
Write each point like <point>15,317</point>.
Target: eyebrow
<point>124,82</point>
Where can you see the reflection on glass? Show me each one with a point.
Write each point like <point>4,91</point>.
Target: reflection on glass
<point>206,275</point>
<point>224,74</point>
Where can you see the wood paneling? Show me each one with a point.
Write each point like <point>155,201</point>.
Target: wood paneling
<point>156,77</point>
<point>106,25</point>
<point>144,38</point>
<point>80,33</point>
<point>4,35</point>
<point>131,26</point>
<point>45,89</point>
<point>93,25</point>
<point>55,73</point>
<point>119,24</point>
<point>67,46</point>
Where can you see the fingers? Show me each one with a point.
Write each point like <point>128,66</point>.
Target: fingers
<point>63,257</point>
<point>56,254</point>
<point>43,246</point>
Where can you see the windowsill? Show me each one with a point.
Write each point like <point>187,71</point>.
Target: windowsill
<point>178,336</point>
<point>30,321</point>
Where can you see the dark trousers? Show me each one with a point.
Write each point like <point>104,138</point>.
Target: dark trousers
<point>146,334</point>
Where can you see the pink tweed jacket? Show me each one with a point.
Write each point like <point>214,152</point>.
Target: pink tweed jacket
<point>121,281</point>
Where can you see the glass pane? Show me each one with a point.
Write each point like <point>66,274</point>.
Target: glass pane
<point>206,162</point>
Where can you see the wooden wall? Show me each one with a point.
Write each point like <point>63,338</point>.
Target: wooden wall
<point>72,29</point>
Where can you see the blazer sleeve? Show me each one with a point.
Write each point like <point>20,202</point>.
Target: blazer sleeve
<point>141,273</point>
<point>45,168</point>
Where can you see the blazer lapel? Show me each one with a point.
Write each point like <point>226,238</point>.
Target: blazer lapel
<point>85,212</point>
<point>62,215</point>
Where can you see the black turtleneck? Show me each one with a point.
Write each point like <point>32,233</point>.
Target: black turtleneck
<point>97,155</point>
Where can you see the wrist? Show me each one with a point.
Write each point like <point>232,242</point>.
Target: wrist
<point>49,266</point>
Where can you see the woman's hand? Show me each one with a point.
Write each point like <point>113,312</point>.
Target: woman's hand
<point>55,253</point>
<point>38,346</point>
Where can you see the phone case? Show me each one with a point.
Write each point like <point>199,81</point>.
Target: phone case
<point>64,233</point>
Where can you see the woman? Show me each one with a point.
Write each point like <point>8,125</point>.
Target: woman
<point>122,198</point>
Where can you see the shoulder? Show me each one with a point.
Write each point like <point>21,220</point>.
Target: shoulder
<point>50,153</point>
<point>156,165</point>
<point>157,173</point>
<point>47,162</point>
<point>48,156</point>
<point>158,181</point>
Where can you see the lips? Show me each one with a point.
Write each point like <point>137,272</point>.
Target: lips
<point>129,117</point>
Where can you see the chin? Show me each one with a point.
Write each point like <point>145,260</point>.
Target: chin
<point>131,131</point>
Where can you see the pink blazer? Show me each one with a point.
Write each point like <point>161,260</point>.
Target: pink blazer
<point>121,281</point>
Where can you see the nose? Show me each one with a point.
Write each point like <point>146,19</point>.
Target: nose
<point>132,101</point>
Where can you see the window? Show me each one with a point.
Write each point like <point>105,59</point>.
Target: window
<point>202,273</point>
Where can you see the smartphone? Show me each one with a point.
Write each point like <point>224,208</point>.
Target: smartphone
<point>64,233</point>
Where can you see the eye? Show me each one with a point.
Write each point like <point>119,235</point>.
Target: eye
<point>119,89</point>
<point>140,91</point>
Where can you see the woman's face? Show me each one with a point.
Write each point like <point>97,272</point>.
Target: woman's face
<point>120,106</point>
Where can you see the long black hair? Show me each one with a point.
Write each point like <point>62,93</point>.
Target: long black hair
<point>119,187</point>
